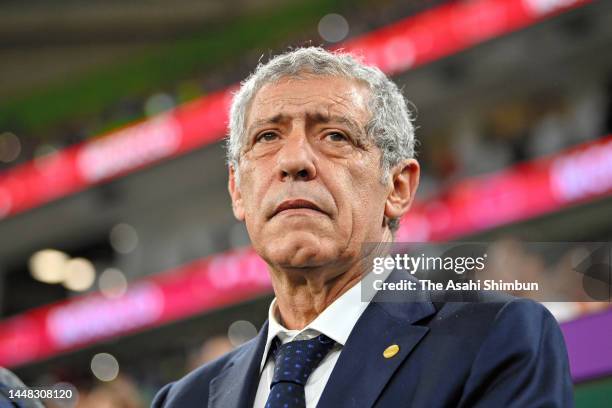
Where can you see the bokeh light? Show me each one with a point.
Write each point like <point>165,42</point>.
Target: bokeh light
<point>112,283</point>
<point>104,366</point>
<point>10,147</point>
<point>80,274</point>
<point>240,332</point>
<point>48,265</point>
<point>333,28</point>
<point>123,238</point>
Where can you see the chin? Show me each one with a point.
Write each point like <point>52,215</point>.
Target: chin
<point>300,250</point>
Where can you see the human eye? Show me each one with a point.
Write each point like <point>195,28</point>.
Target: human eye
<point>266,137</point>
<point>336,137</point>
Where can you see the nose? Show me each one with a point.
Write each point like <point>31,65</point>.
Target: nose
<point>296,158</point>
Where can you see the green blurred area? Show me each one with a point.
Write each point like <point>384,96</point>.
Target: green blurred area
<point>162,66</point>
<point>594,394</point>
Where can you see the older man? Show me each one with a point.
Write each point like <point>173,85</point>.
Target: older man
<point>320,162</point>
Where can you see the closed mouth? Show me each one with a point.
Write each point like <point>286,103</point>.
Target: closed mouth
<point>297,204</point>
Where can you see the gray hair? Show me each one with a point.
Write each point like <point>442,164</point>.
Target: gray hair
<point>390,126</point>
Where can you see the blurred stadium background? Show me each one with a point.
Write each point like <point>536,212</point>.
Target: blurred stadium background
<point>121,265</point>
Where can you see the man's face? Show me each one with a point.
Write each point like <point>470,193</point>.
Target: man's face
<point>310,190</point>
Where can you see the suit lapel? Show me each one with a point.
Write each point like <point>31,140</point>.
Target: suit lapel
<point>236,386</point>
<point>362,371</point>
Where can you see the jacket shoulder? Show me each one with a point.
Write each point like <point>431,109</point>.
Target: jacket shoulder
<point>523,345</point>
<point>484,319</point>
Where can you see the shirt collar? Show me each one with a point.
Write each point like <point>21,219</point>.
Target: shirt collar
<point>336,321</point>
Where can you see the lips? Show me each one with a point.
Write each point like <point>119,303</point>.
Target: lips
<point>297,204</point>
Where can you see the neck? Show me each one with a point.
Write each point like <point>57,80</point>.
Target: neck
<point>302,295</point>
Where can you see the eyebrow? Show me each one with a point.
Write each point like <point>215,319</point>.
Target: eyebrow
<point>319,117</point>
<point>274,120</point>
<point>312,118</point>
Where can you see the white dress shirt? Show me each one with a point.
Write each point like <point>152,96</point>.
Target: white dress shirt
<point>336,322</point>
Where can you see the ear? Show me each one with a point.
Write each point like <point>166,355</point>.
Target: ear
<point>405,179</point>
<point>235,194</point>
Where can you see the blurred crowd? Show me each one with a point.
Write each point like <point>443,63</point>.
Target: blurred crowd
<point>136,391</point>
<point>534,126</point>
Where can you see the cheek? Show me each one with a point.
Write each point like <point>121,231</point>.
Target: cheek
<point>246,188</point>
<point>359,193</point>
<point>253,188</point>
<point>369,194</point>
<point>252,219</point>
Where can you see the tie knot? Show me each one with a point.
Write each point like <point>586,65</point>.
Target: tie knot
<point>296,360</point>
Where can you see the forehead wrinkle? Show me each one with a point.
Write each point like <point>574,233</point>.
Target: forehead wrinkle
<point>352,96</point>
<point>328,102</point>
<point>284,100</point>
<point>344,102</point>
<point>283,112</point>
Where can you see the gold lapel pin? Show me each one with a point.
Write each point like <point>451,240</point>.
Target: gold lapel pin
<point>391,351</point>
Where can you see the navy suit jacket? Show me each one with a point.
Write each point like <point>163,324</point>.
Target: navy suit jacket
<point>507,352</point>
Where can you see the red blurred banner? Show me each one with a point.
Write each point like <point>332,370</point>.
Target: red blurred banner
<point>530,189</point>
<point>524,191</point>
<point>200,286</point>
<point>416,40</point>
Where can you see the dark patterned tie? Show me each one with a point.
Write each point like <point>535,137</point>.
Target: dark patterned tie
<point>294,362</point>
